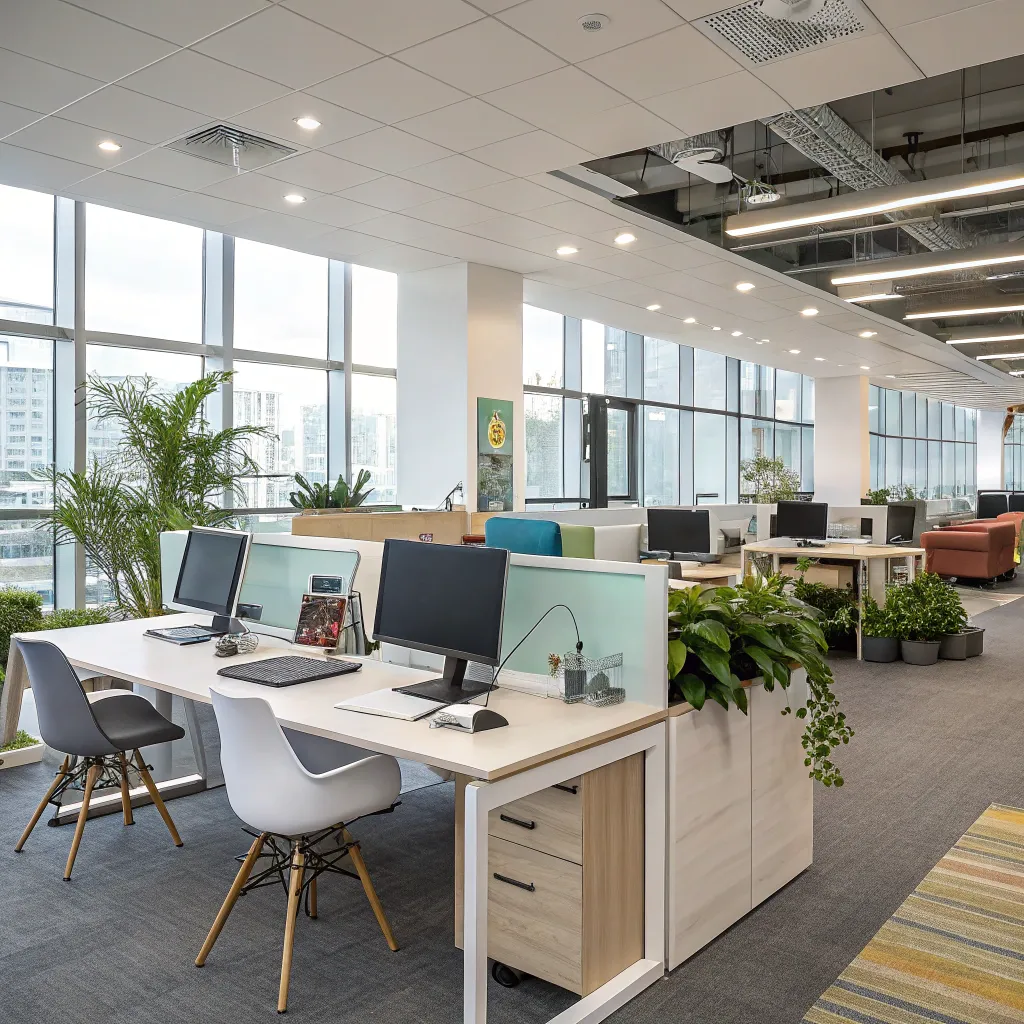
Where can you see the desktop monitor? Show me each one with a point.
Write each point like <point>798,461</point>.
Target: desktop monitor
<point>446,599</point>
<point>1016,501</point>
<point>211,573</point>
<point>803,520</point>
<point>992,504</point>
<point>681,532</point>
<point>899,523</point>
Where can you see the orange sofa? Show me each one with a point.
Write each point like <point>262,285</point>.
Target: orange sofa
<point>981,550</point>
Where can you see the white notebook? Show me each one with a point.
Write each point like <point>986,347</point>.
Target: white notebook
<point>391,704</point>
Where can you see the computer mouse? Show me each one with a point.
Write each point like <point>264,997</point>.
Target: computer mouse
<point>467,718</point>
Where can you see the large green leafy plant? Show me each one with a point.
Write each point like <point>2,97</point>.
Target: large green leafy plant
<point>341,495</point>
<point>838,606</point>
<point>925,609</point>
<point>168,470</point>
<point>721,637</point>
<point>769,480</point>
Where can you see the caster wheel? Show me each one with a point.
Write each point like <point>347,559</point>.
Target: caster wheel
<point>504,975</point>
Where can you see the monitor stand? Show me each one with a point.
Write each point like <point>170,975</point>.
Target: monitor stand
<point>451,688</point>
<point>227,624</point>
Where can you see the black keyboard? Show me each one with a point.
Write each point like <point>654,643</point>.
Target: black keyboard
<point>288,670</point>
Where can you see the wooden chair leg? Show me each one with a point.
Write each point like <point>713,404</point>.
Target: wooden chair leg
<point>371,894</point>
<point>229,902</point>
<point>126,800</point>
<point>62,771</point>
<point>90,780</point>
<point>157,799</point>
<point>294,890</point>
<point>312,897</point>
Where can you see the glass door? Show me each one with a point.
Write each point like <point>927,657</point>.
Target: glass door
<point>610,449</point>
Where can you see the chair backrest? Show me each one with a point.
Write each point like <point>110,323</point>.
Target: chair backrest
<point>66,721</point>
<point>524,536</point>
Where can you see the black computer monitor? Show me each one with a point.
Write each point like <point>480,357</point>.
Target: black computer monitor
<point>802,520</point>
<point>681,532</point>
<point>899,523</point>
<point>446,599</point>
<point>1016,502</point>
<point>992,504</point>
<point>211,572</point>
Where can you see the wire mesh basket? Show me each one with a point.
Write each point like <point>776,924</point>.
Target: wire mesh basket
<point>597,681</point>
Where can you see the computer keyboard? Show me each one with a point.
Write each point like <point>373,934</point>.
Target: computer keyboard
<point>288,670</point>
<point>184,632</point>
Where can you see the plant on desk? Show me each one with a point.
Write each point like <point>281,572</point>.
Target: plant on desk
<point>890,495</point>
<point>722,636</point>
<point>341,495</point>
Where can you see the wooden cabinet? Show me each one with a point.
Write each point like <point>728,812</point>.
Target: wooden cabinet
<point>566,878</point>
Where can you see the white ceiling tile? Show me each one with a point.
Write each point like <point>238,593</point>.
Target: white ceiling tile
<point>204,209</point>
<point>72,141</point>
<point>279,229</point>
<point>466,125</point>
<point>619,130</point>
<point>197,82</point>
<point>30,83</point>
<point>728,274</point>
<point>550,100</point>
<point>517,195</point>
<point>572,216</point>
<point>28,169</point>
<point>277,120</point>
<point>346,243</point>
<point>646,241</point>
<point>387,91</point>
<point>404,259</point>
<point>722,103</point>
<point>452,211</point>
<point>121,189</point>
<point>843,69</point>
<point>455,174</point>
<point>77,40</point>
<point>254,189</point>
<point>390,193</point>
<point>634,292</point>
<point>389,149</point>
<point>336,211</point>
<point>320,171</point>
<point>623,264</point>
<point>182,22</point>
<point>494,6</point>
<point>570,275</point>
<point>663,63</point>
<point>138,116</point>
<point>388,25</point>
<point>169,167</point>
<point>284,47</point>
<point>897,13</point>
<point>396,227</point>
<point>982,33</point>
<point>531,153</point>
<point>508,228</point>
<point>547,245</point>
<point>14,118</point>
<point>481,57</point>
<point>555,24</point>
<point>691,9</point>
<point>678,257</point>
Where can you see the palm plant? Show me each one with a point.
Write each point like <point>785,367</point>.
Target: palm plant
<point>166,473</point>
<point>341,495</point>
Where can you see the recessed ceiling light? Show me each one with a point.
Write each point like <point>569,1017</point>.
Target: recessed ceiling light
<point>942,314</point>
<point>294,197</point>
<point>567,250</point>
<point>737,334</point>
<point>758,342</point>
<point>819,359</point>
<point>794,351</point>
<point>690,320</point>
<point>716,328</point>
<point>890,376</point>
<point>809,311</point>
<point>744,286</point>
<point>109,146</point>
<point>764,341</point>
<point>865,367</point>
<point>654,307</point>
<point>625,238</point>
<point>868,334</point>
<point>309,123</point>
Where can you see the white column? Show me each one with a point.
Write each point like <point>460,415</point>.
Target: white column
<point>990,449</point>
<point>842,452</point>
<point>460,337</point>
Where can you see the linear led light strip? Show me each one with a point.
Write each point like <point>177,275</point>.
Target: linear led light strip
<point>1003,355</point>
<point>943,314</point>
<point>923,271</point>
<point>993,337</point>
<point>907,202</point>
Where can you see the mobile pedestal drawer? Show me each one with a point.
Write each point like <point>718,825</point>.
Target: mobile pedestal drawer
<point>566,883</point>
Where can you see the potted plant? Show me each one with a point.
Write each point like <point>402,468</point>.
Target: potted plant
<point>837,607</point>
<point>878,633</point>
<point>975,640</point>
<point>341,495</point>
<point>920,611</point>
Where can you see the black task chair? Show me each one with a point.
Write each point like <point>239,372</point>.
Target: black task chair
<point>95,735</point>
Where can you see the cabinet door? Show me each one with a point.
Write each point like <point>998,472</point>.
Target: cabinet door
<point>708,827</point>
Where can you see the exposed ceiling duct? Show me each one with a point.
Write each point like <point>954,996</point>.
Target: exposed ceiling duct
<point>702,155</point>
<point>823,136</point>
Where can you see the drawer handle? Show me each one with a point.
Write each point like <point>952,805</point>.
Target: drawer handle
<point>518,821</point>
<point>528,886</point>
<point>567,789</point>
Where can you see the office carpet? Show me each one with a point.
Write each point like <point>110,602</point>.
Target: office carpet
<point>934,748</point>
<point>954,951</point>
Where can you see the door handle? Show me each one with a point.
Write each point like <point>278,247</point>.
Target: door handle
<point>528,886</point>
<point>518,821</point>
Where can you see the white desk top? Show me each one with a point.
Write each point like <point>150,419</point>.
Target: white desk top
<point>539,729</point>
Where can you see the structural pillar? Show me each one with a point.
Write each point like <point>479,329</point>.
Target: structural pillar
<point>460,338</point>
<point>842,443</point>
<point>991,474</point>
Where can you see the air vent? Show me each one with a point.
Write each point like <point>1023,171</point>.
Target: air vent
<point>760,39</point>
<point>224,144</point>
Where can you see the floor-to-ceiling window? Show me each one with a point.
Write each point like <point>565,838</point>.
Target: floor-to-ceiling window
<point>922,443</point>
<point>698,413</point>
<point>171,302</point>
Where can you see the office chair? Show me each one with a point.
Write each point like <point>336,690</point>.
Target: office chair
<point>296,813</point>
<point>95,734</point>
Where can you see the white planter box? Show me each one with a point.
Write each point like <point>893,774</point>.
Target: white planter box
<point>740,813</point>
<point>26,755</point>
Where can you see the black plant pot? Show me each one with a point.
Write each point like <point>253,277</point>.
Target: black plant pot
<point>920,652</point>
<point>975,641</point>
<point>953,647</point>
<point>880,648</point>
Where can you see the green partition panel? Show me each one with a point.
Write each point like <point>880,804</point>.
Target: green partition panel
<point>276,575</point>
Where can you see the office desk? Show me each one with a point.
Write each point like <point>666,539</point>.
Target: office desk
<point>862,555</point>
<point>545,743</point>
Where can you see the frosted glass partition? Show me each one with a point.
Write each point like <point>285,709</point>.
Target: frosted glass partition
<point>276,575</point>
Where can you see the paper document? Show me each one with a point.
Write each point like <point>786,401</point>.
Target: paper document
<point>391,704</point>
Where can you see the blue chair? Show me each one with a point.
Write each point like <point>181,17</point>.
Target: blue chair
<point>524,536</point>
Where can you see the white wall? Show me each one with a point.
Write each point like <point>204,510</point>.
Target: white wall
<point>990,448</point>
<point>842,453</point>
